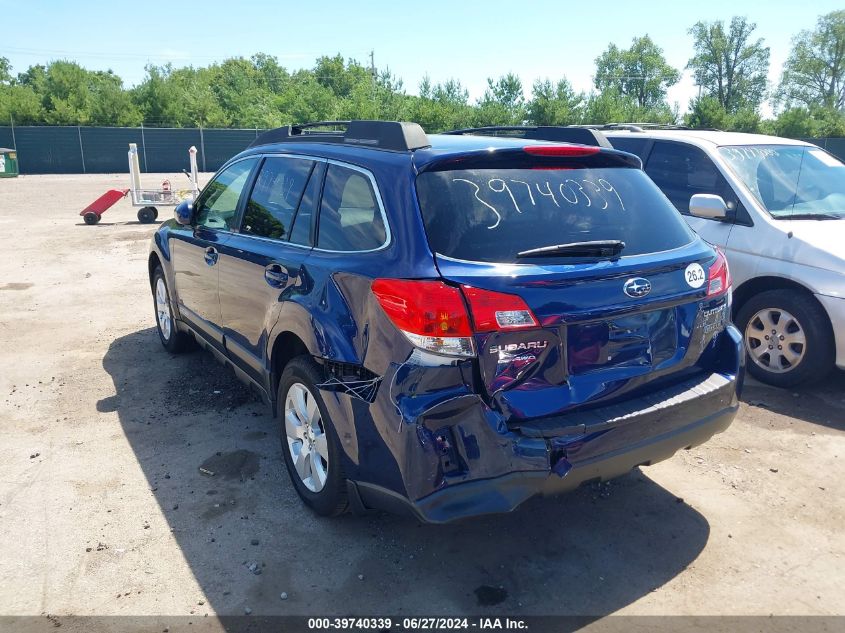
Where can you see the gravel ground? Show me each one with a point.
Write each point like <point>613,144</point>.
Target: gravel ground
<point>103,509</point>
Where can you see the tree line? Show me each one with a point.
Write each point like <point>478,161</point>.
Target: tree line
<point>729,63</point>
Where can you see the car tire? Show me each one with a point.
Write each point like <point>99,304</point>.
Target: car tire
<point>310,444</point>
<point>788,337</point>
<point>91,218</point>
<point>147,215</point>
<point>171,338</point>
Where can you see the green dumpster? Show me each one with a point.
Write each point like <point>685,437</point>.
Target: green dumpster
<point>8,163</point>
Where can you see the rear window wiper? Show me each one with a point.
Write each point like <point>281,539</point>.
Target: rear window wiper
<point>597,248</point>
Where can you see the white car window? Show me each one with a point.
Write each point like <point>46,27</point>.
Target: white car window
<point>791,181</point>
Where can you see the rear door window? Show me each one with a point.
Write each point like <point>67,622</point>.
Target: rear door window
<point>275,197</point>
<point>490,215</point>
<point>630,144</point>
<point>350,217</point>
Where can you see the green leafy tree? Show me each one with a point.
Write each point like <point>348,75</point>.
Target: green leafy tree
<point>794,122</point>
<point>503,102</point>
<point>35,77</point>
<point>234,81</point>
<point>341,77</point>
<point>19,102</point>
<point>802,122</point>
<point>746,119</point>
<point>110,104</point>
<point>814,73</point>
<point>5,71</point>
<point>440,107</point>
<point>20,105</point>
<point>368,99</point>
<point>555,104</point>
<point>258,92</point>
<point>640,72</point>
<point>275,77</point>
<point>66,97</point>
<point>610,106</point>
<point>728,64</point>
<point>830,121</point>
<point>706,113</point>
<point>156,99</point>
<point>307,100</point>
<point>199,107</point>
<point>451,93</point>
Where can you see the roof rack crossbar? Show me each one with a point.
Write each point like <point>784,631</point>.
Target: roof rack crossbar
<point>555,133</point>
<point>397,136</point>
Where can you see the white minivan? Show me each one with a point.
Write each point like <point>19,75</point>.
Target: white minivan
<point>776,207</point>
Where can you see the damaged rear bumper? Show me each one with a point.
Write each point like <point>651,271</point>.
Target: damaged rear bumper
<point>607,443</point>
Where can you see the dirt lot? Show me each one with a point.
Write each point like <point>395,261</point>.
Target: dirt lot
<point>103,509</point>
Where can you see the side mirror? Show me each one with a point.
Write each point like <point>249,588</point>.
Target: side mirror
<point>184,213</point>
<point>705,205</point>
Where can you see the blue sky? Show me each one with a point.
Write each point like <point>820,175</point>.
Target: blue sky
<point>468,40</point>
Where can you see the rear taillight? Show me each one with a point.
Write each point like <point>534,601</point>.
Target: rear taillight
<point>561,150</point>
<point>434,317</point>
<point>497,310</point>
<point>430,314</point>
<point>719,276</point>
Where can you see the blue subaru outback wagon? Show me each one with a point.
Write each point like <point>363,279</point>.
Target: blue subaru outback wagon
<point>449,325</point>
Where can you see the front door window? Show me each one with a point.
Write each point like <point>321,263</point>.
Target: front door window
<point>217,205</point>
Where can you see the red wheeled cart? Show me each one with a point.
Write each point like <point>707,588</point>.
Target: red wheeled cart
<point>92,213</point>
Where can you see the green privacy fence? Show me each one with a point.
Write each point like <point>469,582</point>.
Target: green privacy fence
<point>102,150</point>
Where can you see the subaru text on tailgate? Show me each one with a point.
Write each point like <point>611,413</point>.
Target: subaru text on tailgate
<point>451,325</point>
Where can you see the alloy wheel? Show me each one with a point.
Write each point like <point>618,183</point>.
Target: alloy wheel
<point>306,437</point>
<point>165,323</point>
<point>775,340</point>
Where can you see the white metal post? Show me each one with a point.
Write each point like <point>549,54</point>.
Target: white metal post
<point>192,153</point>
<point>134,172</point>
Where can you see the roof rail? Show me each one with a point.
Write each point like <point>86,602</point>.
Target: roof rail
<point>634,127</point>
<point>557,133</point>
<point>397,136</point>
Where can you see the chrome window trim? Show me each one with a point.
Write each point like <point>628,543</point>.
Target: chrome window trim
<point>388,235</point>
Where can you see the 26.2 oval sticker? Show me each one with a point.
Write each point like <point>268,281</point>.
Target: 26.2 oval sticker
<point>695,276</point>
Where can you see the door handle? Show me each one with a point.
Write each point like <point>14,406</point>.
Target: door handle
<point>275,276</point>
<point>211,256</point>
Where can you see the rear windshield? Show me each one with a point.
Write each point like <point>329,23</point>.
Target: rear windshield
<point>490,215</point>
